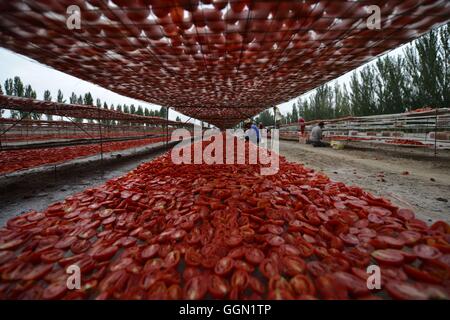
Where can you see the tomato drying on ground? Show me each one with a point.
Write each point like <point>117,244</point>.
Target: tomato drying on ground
<point>167,231</point>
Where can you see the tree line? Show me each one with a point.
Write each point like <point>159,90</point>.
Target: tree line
<point>15,87</point>
<point>418,78</point>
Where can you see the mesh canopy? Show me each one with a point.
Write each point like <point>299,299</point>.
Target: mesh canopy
<point>215,60</point>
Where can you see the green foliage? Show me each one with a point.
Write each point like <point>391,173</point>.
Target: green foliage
<point>393,84</point>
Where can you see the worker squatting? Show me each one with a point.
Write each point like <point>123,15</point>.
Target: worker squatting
<point>229,148</point>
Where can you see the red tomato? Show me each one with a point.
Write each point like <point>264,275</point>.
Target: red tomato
<point>426,252</point>
<point>420,275</point>
<point>54,291</point>
<point>233,240</point>
<point>80,246</point>
<point>388,256</point>
<point>410,237</point>
<point>105,253</point>
<point>52,255</point>
<point>172,259</point>
<point>37,272</point>
<point>218,287</point>
<point>254,255</point>
<point>302,285</point>
<point>174,292</point>
<point>349,239</point>
<point>293,265</point>
<point>404,291</point>
<point>237,253</point>
<point>196,288</point>
<point>355,286</point>
<point>224,266</point>
<point>330,289</point>
<point>268,268</point>
<point>150,251</point>
<point>405,214</point>
<point>239,264</point>
<point>240,279</point>
<point>275,241</point>
<point>256,285</point>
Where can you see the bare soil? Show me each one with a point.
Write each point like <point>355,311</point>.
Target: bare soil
<point>410,178</point>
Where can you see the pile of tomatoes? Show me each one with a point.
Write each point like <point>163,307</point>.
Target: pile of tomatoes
<point>167,231</point>
<point>405,142</point>
<point>15,160</point>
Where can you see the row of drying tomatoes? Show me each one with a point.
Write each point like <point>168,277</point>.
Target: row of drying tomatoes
<point>167,231</point>
<point>405,142</point>
<point>15,160</point>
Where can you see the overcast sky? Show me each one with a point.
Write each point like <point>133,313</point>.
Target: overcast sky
<point>42,77</point>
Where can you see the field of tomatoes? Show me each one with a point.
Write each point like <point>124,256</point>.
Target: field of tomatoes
<point>14,160</point>
<point>167,231</point>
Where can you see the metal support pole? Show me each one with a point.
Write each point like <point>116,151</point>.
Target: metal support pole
<point>167,128</point>
<point>435,133</point>
<point>101,136</point>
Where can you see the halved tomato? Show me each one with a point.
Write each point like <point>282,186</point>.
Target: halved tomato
<point>254,255</point>
<point>52,255</point>
<point>331,289</point>
<point>196,288</point>
<point>404,291</point>
<point>405,214</point>
<point>150,251</point>
<point>224,266</point>
<point>256,285</point>
<point>218,287</point>
<point>54,291</point>
<point>293,265</point>
<point>427,252</point>
<point>268,268</point>
<point>239,279</point>
<point>172,259</point>
<point>356,286</point>
<point>104,253</point>
<point>410,237</point>
<point>302,285</point>
<point>388,256</point>
<point>174,292</point>
<point>420,275</point>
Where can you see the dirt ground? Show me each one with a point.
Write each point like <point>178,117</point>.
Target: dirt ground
<point>410,178</point>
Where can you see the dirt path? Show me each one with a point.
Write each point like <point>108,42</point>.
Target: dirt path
<point>408,178</point>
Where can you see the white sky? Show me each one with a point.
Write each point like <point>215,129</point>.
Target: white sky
<point>42,77</point>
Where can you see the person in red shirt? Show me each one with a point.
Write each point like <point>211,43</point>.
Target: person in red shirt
<point>302,125</point>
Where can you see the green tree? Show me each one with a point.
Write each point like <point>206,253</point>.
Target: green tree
<point>88,100</point>
<point>73,98</point>
<point>60,97</point>
<point>427,61</point>
<point>1,93</point>
<point>294,113</point>
<point>48,97</point>
<point>18,87</point>
<point>9,87</point>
